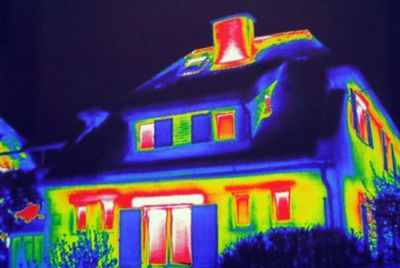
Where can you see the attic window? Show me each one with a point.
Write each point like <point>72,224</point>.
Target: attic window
<point>194,65</point>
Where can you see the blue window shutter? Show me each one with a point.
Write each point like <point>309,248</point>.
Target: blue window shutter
<point>385,160</point>
<point>130,253</point>
<point>370,139</point>
<point>163,133</point>
<point>201,128</point>
<point>204,236</point>
<point>394,160</point>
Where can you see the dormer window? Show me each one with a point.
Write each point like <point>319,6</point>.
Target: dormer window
<point>146,136</point>
<point>184,129</point>
<point>225,123</point>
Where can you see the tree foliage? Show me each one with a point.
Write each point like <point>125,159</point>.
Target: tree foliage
<point>297,248</point>
<point>90,250</point>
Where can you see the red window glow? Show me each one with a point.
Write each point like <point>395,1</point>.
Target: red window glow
<point>108,213</point>
<point>225,126</point>
<point>181,249</point>
<point>81,215</point>
<point>361,110</point>
<point>157,221</point>
<point>242,209</point>
<point>282,205</point>
<point>146,139</point>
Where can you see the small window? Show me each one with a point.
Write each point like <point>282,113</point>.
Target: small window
<point>394,161</point>
<point>242,209</point>
<point>163,133</point>
<point>201,128</point>
<point>81,217</point>
<point>146,138</point>
<point>385,151</point>
<point>361,118</point>
<point>108,213</point>
<point>225,125</point>
<point>281,201</point>
<point>195,65</point>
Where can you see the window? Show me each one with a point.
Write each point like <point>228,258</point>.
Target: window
<point>81,217</point>
<point>242,209</point>
<point>169,235</point>
<point>201,128</point>
<point>225,123</point>
<point>108,213</point>
<point>146,136</point>
<point>385,150</point>
<point>163,133</point>
<point>394,161</point>
<point>194,65</point>
<point>281,200</point>
<point>157,222</point>
<point>361,119</point>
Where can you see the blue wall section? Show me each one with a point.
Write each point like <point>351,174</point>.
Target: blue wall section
<point>204,236</point>
<point>130,253</point>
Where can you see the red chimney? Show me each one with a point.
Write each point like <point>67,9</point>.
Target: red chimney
<point>233,41</point>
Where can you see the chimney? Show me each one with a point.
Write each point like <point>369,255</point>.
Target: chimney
<point>233,41</point>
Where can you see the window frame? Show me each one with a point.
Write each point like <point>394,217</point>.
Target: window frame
<point>276,207</point>
<point>217,134</point>
<point>141,125</point>
<point>361,118</point>
<point>235,210</point>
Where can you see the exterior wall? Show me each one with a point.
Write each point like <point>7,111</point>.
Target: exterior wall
<point>307,194</point>
<point>360,159</point>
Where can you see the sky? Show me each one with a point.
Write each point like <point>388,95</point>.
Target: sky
<point>61,57</point>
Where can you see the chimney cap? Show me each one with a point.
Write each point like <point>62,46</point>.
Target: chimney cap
<point>234,16</point>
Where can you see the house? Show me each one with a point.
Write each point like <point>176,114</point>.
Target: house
<point>12,157</point>
<point>248,134</point>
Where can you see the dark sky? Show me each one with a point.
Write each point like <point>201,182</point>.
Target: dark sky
<point>61,57</point>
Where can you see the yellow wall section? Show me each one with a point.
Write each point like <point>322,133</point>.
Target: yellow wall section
<point>307,207</point>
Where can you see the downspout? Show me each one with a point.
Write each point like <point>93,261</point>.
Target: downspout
<point>334,187</point>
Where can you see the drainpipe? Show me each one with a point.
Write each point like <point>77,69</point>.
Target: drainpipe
<point>334,187</point>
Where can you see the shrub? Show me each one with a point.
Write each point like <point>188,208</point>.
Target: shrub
<point>297,248</point>
<point>90,250</point>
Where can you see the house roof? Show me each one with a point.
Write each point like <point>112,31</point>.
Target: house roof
<point>293,131</point>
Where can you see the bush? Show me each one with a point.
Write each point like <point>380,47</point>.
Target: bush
<point>90,250</point>
<point>387,216</point>
<point>297,248</point>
